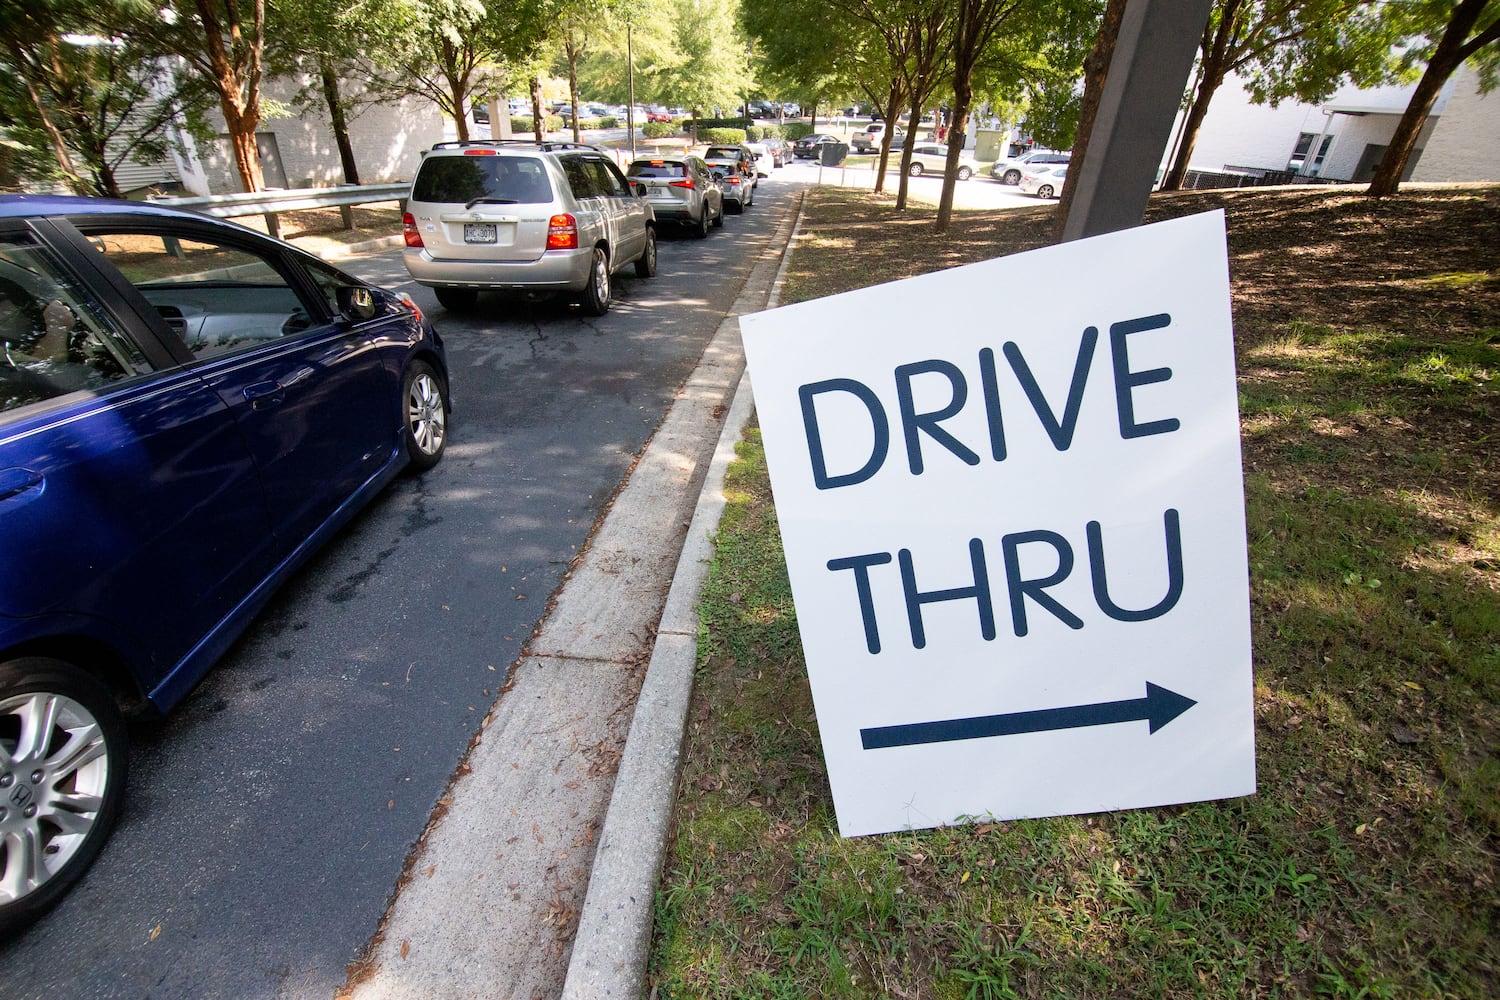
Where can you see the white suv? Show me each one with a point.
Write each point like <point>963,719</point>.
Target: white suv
<point>549,217</point>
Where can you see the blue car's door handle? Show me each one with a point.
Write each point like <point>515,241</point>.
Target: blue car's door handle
<point>273,391</point>
<point>14,482</point>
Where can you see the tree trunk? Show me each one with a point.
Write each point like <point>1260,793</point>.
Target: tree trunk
<point>538,123</point>
<point>885,140</point>
<point>241,109</point>
<point>1213,66</point>
<point>1095,69</point>
<point>573,84</point>
<point>54,135</point>
<point>1190,128</point>
<point>903,185</point>
<point>1454,47</point>
<point>106,184</point>
<point>338,120</point>
<point>963,99</point>
<point>242,144</point>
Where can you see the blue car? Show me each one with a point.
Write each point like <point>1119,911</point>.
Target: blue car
<point>188,410</point>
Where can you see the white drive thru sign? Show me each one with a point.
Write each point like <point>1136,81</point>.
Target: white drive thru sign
<point>1013,511</point>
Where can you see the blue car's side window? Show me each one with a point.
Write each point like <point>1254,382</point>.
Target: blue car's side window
<point>218,298</point>
<point>54,338</point>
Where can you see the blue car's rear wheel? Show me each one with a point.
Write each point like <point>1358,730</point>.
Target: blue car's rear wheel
<point>63,761</point>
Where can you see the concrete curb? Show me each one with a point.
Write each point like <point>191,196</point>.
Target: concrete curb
<point>613,940</point>
<point>354,249</point>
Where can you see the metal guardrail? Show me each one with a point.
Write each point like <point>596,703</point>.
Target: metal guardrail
<point>268,203</point>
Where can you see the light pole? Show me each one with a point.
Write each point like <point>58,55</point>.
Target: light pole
<point>630,88</point>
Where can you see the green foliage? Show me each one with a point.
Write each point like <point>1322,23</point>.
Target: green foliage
<point>792,131</point>
<point>526,125</point>
<point>703,123</point>
<point>103,101</point>
<point>454,51</point>
<point>659,130</point>
<point>705,63</point>
<point>814,53</point>
<point>725,136</point>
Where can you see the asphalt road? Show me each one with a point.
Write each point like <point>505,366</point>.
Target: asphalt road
<point>268,819</point>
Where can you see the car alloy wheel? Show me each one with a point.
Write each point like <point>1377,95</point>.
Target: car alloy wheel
<point>596,296</point>
<point>62,770</point>
<point>1011,177</point>
<point>700,231</point>
<point>1045,191</point>
<point>426,416</point>
<point>915,170</point>
<point>964,173</point>
<point>645,264</point>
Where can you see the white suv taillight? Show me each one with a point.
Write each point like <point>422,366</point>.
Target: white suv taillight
<point>562,233</point>
<point>409,230</point>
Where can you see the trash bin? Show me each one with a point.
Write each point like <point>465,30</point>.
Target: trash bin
<point>833,154</point>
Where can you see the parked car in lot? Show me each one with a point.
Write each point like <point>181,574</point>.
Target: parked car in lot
<point>519,216</point>
<point>681,189</point>
<point>932,158</point>
<point>736,164</point>
<point>188,411</point>
<point>869,138</point>
<point>806,148</point>
<point>1008,171</point>
<point>1044,181</point>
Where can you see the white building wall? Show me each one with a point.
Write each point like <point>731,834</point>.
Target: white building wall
<point>388,141</point>
<point>1240,134</point>
<point>1465,146</point>
<point>1463,132</point>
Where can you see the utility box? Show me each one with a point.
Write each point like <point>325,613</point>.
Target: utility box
<point>833,154</point>
<point>990,144</point>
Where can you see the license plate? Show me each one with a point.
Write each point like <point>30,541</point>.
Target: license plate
<point>480,232</point>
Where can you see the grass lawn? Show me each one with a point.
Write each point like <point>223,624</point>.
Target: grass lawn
<point>1368,349</point>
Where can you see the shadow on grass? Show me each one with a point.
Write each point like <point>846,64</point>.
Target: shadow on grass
<point>1364,866</point>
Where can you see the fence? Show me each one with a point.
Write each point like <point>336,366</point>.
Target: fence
<point>270,203</point>
<point>1237,177</point>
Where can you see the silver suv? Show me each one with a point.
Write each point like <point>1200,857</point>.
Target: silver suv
<point>549,217</point>
<point>681,189</point>
<point>1008,171</point>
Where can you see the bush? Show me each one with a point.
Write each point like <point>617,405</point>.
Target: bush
<point>608,121</point>
<point>792,131</point>
<point>721,136</point>
<point>739,123</point>
<point>659,130</point>
<point>772,132</point>
<point>523,126</point>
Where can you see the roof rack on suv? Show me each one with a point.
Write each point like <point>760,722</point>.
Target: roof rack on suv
<point>547,145</point>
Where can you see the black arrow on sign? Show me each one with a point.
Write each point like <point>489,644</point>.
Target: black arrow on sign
<point>1159,707</point>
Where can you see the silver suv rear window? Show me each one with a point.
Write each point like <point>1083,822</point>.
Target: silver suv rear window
<point>516,180</point>
<point>657,168</point>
